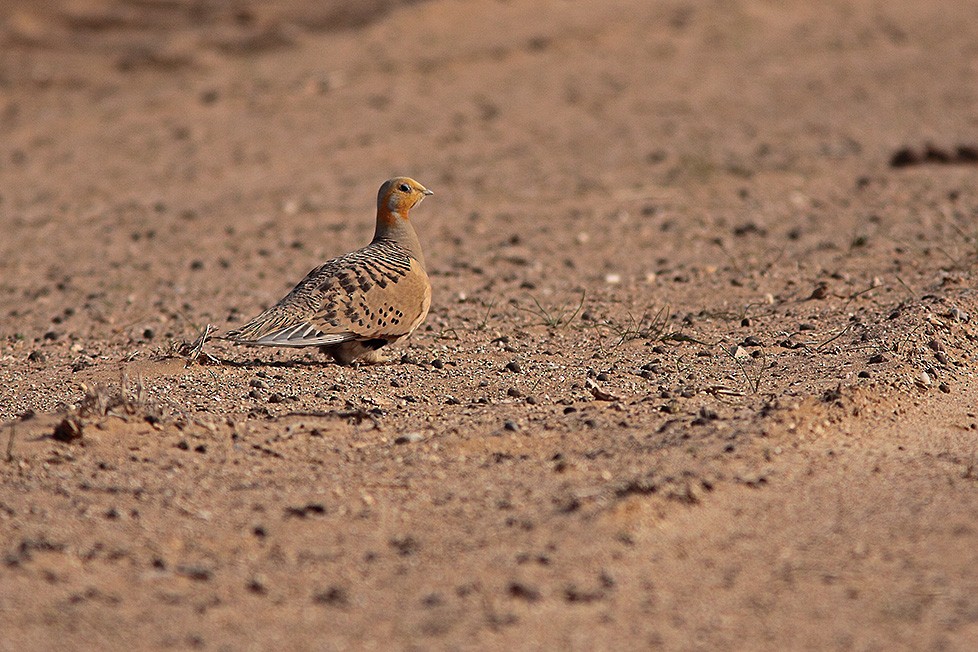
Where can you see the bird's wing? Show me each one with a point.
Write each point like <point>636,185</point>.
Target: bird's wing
<point>376,292</point>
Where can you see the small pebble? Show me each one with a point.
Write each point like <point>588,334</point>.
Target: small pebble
<point>437,363</point>
<point>409,438</point>
<point>707,413</point>
<point>511,426</point>
<point>68,430</point>
<point>256,586</point>
<point>513,392</point>
<point>514,366</point>
<point>258,383</point>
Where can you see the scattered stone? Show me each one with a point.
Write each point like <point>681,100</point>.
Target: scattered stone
<point>879,358</point>
<point>68,431</point>
<point>944,387</point>
<point>437,363</point>
<point>959,315</point>
<point>864,374</point>
<point>209,96</point>
<point>752,340</point>
<point>512,426</point>
<point>522,591</point>
<point>514,393</point>
<point>309,509</point>
<point>333,596</point>
<point>738,352</point>
<point>805,326</point>
<point>81,363</point>
<point>406,545</point>
<point>258,383</point>
<point>708,414</point>
<point>197,573</point>
<point>597,392</point>
<point>820,292</point>
<point>409,438</point>
<point>275,398</point>
<point>37,356</point>
<point>514,366</point>
<point>432,600</point>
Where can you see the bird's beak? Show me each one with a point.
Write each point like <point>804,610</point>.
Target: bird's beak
<point>427,192</point>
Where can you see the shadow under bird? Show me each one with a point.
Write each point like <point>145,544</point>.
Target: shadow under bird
<point>354,305</point>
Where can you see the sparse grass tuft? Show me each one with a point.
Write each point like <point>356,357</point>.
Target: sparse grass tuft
<point>753,380</point>
<point>653,325</point>
<point>127,400</point>
<point>555,317</point>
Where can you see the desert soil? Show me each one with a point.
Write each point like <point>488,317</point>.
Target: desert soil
<point>699,371</point>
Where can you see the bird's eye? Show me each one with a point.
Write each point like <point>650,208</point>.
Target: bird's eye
<point>404,187</point>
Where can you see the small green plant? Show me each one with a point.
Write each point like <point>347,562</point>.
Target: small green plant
<point>556,317</point>
<point>753,381</point>
<point>652,325</point>
<point>485,319</point>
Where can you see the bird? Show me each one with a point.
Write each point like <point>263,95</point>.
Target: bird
<point>355,304</point>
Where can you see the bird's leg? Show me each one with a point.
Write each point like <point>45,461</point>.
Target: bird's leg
<point>348,353</point>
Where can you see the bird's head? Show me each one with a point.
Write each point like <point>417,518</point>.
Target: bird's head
<point>399,195</point>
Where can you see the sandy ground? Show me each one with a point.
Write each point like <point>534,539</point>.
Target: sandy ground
<point>700,367</point>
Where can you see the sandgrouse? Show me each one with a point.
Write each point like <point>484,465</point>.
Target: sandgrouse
<point>355,304</point>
